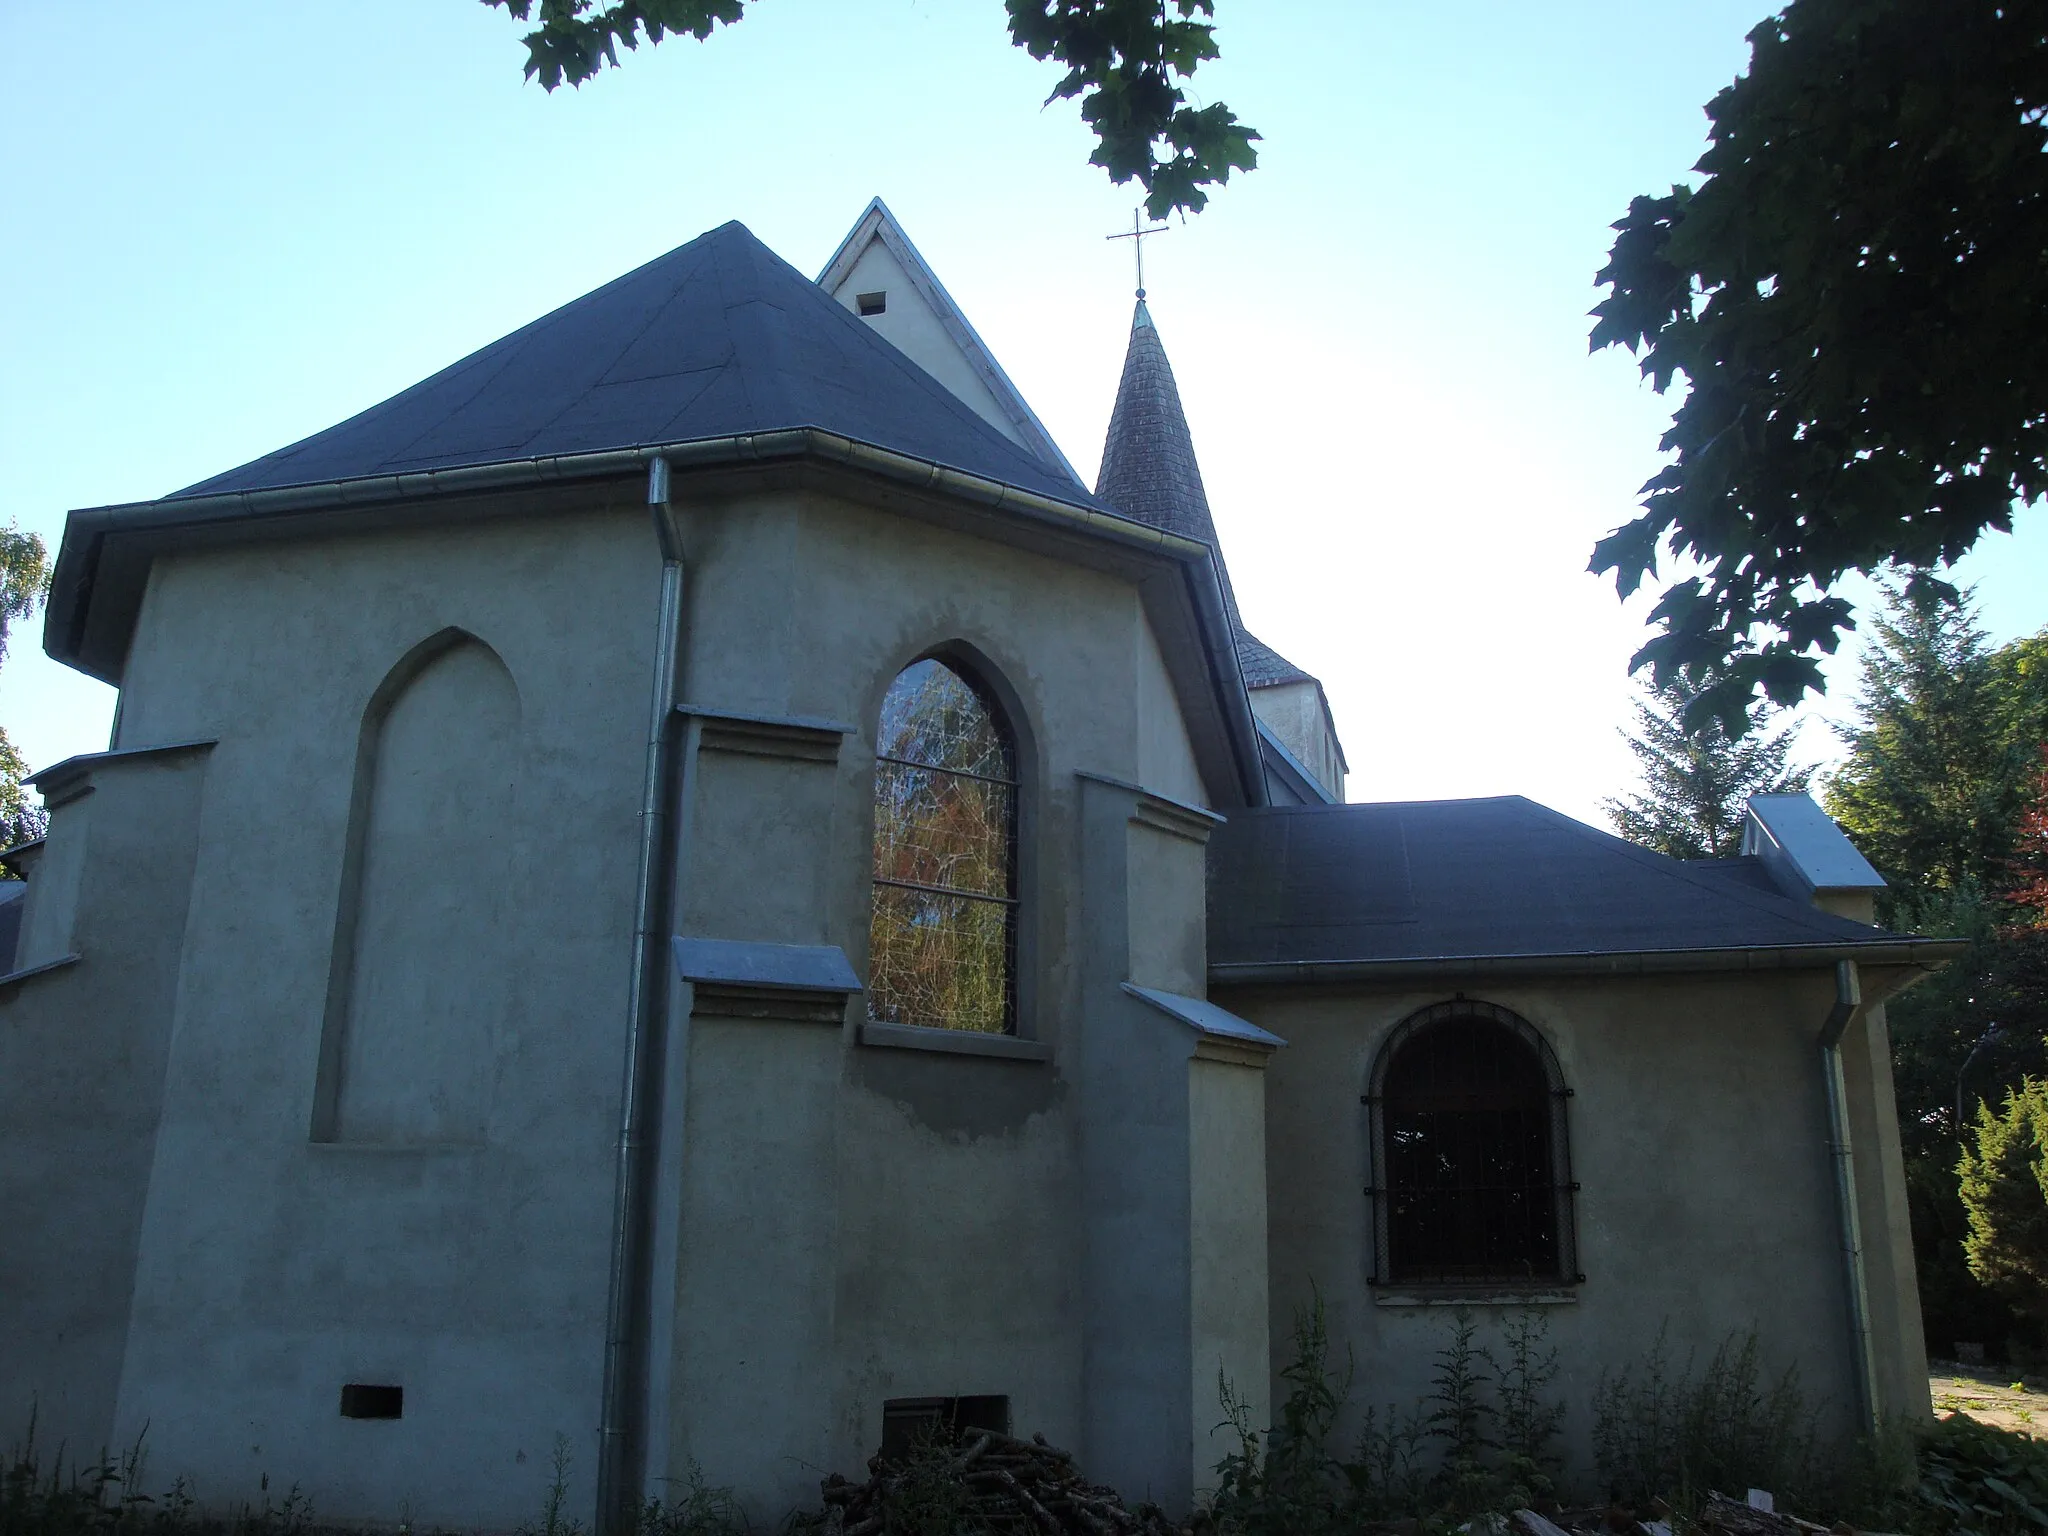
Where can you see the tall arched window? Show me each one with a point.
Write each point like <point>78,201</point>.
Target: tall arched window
<point>942,948</point>
<point>1473,1169</point>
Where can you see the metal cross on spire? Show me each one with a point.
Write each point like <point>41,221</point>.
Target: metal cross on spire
<point>1136,235</point>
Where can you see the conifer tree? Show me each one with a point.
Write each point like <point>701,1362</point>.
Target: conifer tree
<point>2004,1175</point>
<point>1948,731</point>
<point>1934,790</point>
<point>1697,784</point>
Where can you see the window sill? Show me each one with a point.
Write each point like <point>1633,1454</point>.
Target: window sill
<point>957,1042</point>
<point>1557,1295</point>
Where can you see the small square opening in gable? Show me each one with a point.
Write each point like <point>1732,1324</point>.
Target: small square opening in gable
<point>362,1400</point>
<point>908,1420</point>
<point>871,304</point>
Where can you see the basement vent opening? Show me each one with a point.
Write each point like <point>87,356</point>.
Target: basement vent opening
<point>872,304</point>
<point>362,1401</point>
<point>908,1420</point>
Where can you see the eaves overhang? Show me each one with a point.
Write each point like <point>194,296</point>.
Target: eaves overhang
<point>96,643</point>
<point>1923,954</point>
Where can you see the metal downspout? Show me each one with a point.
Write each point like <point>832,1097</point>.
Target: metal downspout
<point>619,1451</point>
<point>1848,1002</point>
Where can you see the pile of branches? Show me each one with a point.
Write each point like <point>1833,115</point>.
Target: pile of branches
<point>1718,1516</point>
<point>981,1480</point>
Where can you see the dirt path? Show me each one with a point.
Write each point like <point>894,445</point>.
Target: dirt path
<point>1984,1394</point>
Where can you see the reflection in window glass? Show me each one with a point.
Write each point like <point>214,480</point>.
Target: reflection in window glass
<point>942,945</point>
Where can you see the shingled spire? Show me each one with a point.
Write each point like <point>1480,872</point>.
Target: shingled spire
<point>1149,473</point>
<point>1148,461</point>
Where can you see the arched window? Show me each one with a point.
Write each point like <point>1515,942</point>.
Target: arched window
<point>942,948</point>
<point>1468,1136</point>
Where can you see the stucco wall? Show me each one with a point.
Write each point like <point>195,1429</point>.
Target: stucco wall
<point>1698,1137</point>
<point>1166,758</point>
<point>1227,1277</point>
<point>273,1269</point>
<point>939,1191</point>
<point>82,1053</point>
<point>845,1222</point>
<point>1295,713</point>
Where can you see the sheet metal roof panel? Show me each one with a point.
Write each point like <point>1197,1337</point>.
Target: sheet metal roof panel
<point>1438,879</point>
<point>716,338</point>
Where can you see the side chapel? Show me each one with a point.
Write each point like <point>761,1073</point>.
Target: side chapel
<point>685,885</point>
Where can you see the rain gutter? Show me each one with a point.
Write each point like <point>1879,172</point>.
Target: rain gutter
<point>1926,953</point>
<point>1847,1004</point>
<point>87,530</point>
<point>621,1450</point>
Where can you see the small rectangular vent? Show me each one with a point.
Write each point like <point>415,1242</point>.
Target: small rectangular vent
<point>907,1420</point>
<point>360,1400</point>
<point>872,304</point>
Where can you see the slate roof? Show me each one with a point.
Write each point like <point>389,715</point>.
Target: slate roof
<point>1263,666</point>
<point>1448,879</point>
<point>1148,457</point>
<point>1149,473</point>
<point>718,337</point>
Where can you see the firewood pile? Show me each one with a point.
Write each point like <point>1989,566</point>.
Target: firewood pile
<point>1007,1484</point>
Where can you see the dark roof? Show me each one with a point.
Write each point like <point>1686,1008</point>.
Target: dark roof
<point>1263,666</point>
<point>1148,458</point>
<point>1149,473</point>
<point>1443,879</point>
<point>717,338</point>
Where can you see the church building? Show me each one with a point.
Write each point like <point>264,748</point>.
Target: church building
<point>683,888</point>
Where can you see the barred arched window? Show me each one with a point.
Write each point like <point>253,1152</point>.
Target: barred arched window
<point>1473,1169</point>
<point>942,945</point>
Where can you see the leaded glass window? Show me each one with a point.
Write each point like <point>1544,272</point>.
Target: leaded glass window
<point>942,947</point>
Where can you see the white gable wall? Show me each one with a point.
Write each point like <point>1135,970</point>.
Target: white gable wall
<point>914,328</point>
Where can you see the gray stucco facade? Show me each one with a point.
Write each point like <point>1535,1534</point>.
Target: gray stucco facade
<point>485,822</point>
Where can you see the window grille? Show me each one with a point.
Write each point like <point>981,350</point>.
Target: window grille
<point>942,945</point>
<point>1471,1164</point>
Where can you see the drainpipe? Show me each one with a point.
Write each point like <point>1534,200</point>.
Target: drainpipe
<point>1848,1002</point>
<point>619,1452</point>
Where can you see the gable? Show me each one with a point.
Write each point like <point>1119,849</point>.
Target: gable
<point>914,313</point>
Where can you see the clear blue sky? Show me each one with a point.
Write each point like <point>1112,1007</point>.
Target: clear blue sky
<point>229,226</point>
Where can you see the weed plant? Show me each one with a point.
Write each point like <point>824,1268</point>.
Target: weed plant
<point>1659,1432</point>
<point>695,1508</point>
<point>1977,1480</point>
<point>1479,1445</point>
<point>105,1497</point>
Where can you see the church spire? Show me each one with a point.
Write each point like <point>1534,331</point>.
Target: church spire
<point>1148,461</point>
